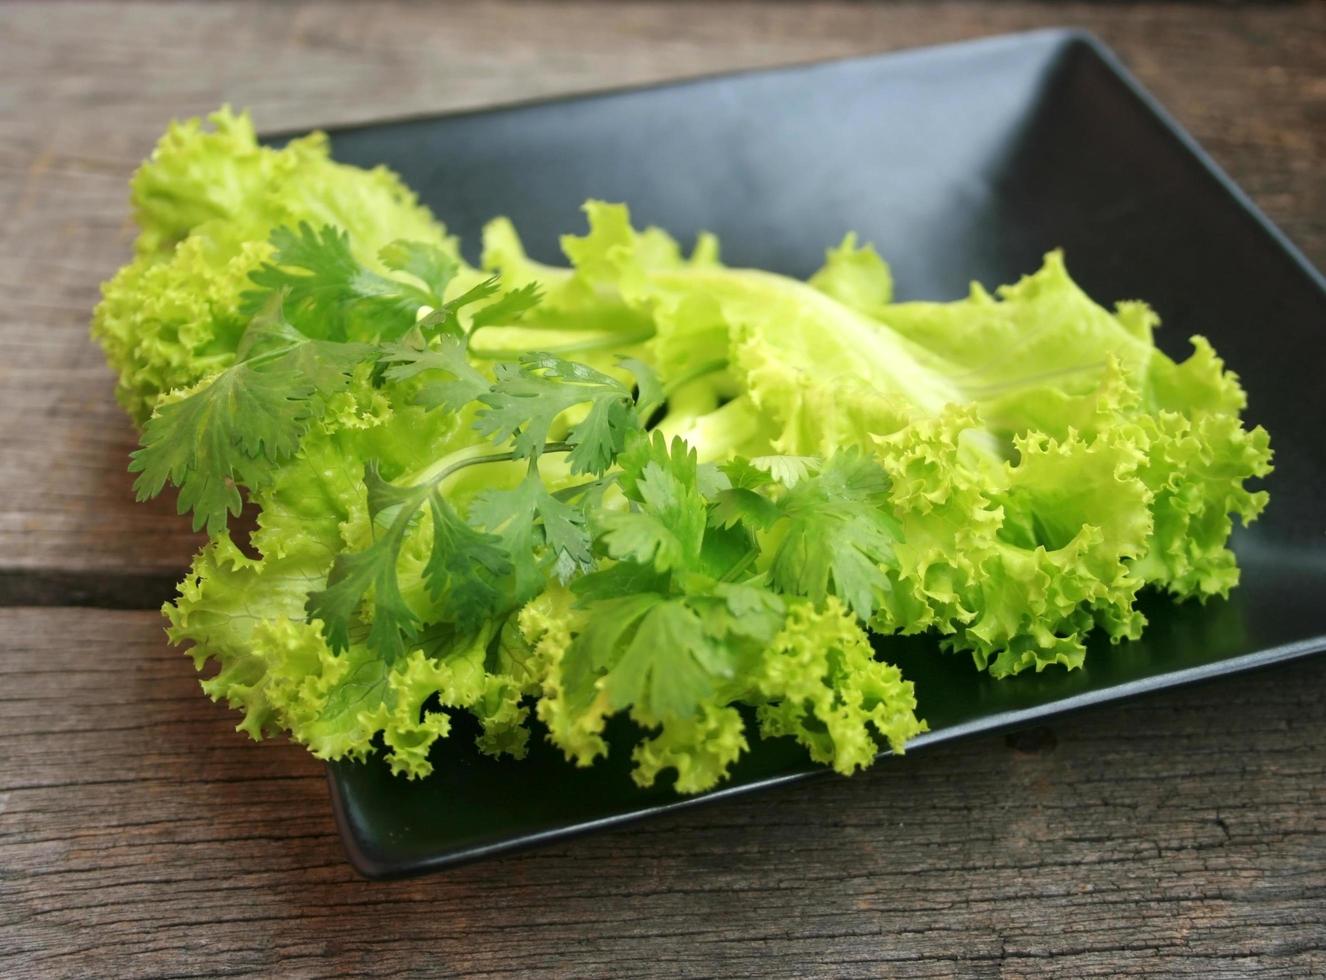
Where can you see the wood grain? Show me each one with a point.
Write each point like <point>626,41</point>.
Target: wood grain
<point>86,88</point>
<point>1180,834</point>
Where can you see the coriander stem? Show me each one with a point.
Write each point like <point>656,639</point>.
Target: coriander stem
<point>432,482</point>
<point>460,464</point>
<point>566,493</point>
<point>427,474</point>
<point>733,573</point>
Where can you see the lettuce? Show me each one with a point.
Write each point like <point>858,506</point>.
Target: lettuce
<point>206,203</point>
<point>1046,459</point>
<point>643,483</point>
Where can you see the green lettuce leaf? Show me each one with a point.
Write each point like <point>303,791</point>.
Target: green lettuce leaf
<point>246,615</point>
<point>206,203</point>
<point>1045,459</point>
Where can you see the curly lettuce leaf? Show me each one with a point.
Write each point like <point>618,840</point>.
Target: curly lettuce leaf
<point>822,372</point>
<point>246,615</point>
<point>1004,421</point>
<point>856,276</point>
<point>822,685</point>
<point>206,203</point>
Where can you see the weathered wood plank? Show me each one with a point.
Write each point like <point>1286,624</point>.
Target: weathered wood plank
<point>1181,834</point>
<point>85,88</point>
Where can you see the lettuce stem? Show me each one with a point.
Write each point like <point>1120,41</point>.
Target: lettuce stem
<point>609,342</point>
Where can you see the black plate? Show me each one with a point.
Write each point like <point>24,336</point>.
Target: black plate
<point>961,162</point>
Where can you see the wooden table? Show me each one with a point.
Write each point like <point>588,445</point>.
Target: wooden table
<point>1180,834</point>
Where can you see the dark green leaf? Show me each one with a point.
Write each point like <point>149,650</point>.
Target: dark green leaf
<point>432,266</point>
<point>509,309</point>
<point>537,529</point>
<point>246,421</point>
<point>459,383</point>
<point>466,568</point>
<point>667,667</point>
<point>328,292</point>
<point>445,318</point>
<point>599,647</point>
<point>383,496</point>
<point>601,435</point>
<point>528,397</point>
<point>353,575</point>
<point>220,436</point>
<point>648,389</point>
<point>618,580</point>
<point>742,506</point>
<point>840,534</point>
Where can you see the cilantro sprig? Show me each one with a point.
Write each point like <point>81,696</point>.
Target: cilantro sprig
<point>702,562</point>
<point>831,518</point>
<point>685,573</point>
<point>328,293</point>
<point>235,429</point>
<point>664,630</point>
<point>497,559</point>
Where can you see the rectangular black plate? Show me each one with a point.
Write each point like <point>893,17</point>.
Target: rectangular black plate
<point>962,162</point>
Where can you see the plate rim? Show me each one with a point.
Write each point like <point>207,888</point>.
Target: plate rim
<point>373,865</point>
<point>1064,35</point>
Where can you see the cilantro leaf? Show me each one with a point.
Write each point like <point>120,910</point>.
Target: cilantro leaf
<point>676,456</point>
<point>739,505</point>
<point>601,434</point>
<point>786,470</point>
<point>382,496</point>
<point>661,635</point>
<point>620,579</point>
<point>444,320</point>
<point>465,567</point>
<point>670,666</point>
<point>509,309</point>
<point>328,291</point>
<point>352,576</point>
<point>665,528</point>
<point>668,655</point>
<point>529,395</point>
<point>565,533</point>
<point>598,647</point>
<point>748,611</point>
<point>405,360</point>
<point>839,534</point>
<point>248,419</point>
<point>527,518</point>
<point>649,390</point>
<point>212,440</point>
<point>433,267</point>
<point>742,474</point>
<point>466,570</point>
<point>270,340</point>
